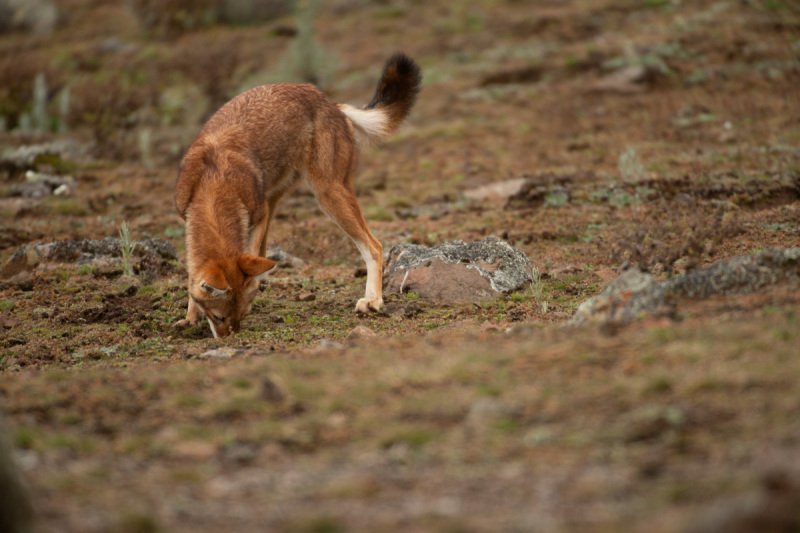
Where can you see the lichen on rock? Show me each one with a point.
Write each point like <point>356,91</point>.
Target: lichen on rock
<point>457,271</point>
<point>151,255</point>
<point>634,293</point>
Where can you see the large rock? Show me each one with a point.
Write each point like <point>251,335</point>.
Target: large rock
<point>149,255</point>
<point>741,274</point>
<point>634,294</point>
<point>631,295</point>
<point>31,156</point>
<point>456,271</point>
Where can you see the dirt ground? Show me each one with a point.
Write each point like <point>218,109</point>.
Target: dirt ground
<point>662,134</point>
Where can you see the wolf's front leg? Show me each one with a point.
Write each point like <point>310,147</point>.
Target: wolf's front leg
<point>193,315</point>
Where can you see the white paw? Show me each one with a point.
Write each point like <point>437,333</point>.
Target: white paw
<point>365,305</point>
<point>184,323</point>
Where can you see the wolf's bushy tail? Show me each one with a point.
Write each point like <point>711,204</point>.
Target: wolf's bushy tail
<point>393,99</point>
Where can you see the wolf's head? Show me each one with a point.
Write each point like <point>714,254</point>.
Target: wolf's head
<point>224,290</point>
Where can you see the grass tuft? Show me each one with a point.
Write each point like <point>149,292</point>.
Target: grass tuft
<point>126,247</point>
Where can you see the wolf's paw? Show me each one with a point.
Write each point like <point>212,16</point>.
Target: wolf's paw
<point>184,323</point>
<point>365,305</point>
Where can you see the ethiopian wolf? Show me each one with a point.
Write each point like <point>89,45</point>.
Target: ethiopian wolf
<point>245,159</point>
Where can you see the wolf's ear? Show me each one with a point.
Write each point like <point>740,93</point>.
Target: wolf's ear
<point>214,292</point>
<point>256,267</point>
<point>213,282</point>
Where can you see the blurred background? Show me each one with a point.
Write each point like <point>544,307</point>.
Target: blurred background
<point>610,93</point>
<point>138,75</point>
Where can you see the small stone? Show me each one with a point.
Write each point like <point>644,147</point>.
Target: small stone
<point>361,332</point>
<point>241,453</point>
<point>220,353</point>
<point>22,281</point>
<point>283,258</point>
<point>335,428</point>
<point>398,452</point>
<point>328,344</point>
<point>306,297</point>
<point>629,79</point>
<point>501,190</point>
<point>559,272</point>
<point>27,460</point>
<point>489,327</point>
<point>196,450</point>
<point>39,184</point>
<point>128,285</point>
<point>483,413</point>
<point>9,323</point>
<point>538,436</point>
<point>43,312</point>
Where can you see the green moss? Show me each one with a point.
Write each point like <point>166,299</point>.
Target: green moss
<point>242,383</point>
<point>189,400</point>
<point>85,270</point>
<point>70,207</point>
<point>489,389</point>
<point>56,162</point>
<point>659,384</point>
<point>240,405</point>
<point>24,438</point>
<point>519,296</point>
<point>320,524</point>
<point>137,522</point>
<point>380,214</point>
<point>76,443</point>
<point>506,425</point>
<point>174,232</point>
<point>415,437</point>
<point>411,296</point>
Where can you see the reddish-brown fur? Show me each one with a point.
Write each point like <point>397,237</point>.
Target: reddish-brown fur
<point>248,155</point>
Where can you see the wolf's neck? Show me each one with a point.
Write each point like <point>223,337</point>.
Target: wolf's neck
<point>216,226</point>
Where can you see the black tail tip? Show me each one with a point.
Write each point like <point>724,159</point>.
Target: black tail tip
<point>404,67</point>
<point>399,83</point>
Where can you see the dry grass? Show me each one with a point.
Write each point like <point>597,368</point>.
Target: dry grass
<point>170,18</point>
<point>489,411</point>
<point>672,236</point>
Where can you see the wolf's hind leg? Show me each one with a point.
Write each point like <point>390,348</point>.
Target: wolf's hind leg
<point>339,202</point>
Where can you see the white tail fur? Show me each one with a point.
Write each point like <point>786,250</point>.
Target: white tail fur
<point>371,123</point>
